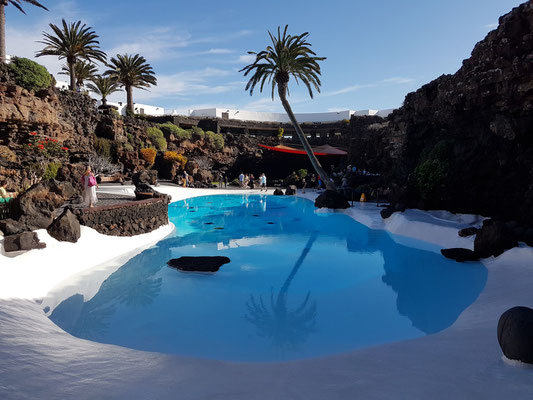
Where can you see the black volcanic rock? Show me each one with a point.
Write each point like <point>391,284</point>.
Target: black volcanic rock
<point>331,199</point>
<point>515,334</point>
<point>198,264</point>
<point>463,142</point>
<point>470,231</point>
<point>459,254</point>
<point>493,239</point>
<point>23,241</point>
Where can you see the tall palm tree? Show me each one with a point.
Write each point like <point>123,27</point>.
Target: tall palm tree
<point>72,42</point>
<point>288,55</point>
<point>17,4</point>
<point>103,86</point>
<point>131,72</point>
<point>83,70</point>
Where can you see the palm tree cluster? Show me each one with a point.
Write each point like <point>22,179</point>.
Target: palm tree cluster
<point>78,45</point>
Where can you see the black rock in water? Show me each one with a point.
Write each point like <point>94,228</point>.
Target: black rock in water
<point>465,232</point>
<point>199,264</point>
<point>459,254</point>
<point>278,192</point>
<point>515,334</point>
<point>331,199</point>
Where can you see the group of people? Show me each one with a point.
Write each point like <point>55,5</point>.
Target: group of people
<point>249,181</point>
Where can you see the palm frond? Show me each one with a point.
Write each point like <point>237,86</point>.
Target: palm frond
<point>287,56</point>
<point>18,4</point>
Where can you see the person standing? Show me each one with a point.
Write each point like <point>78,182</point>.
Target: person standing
<point>263,182</point>
<point>241,180</point>
<point>89,187</point>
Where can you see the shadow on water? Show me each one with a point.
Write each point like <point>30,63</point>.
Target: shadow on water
<point>430,291</point>
<point>284,327</point>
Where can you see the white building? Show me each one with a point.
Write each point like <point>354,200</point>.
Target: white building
<point>137,107</point>
<point>244,115</point>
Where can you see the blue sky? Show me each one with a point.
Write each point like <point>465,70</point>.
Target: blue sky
<point>377,52</point>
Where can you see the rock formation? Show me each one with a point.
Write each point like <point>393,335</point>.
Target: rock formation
<point>463,142</point>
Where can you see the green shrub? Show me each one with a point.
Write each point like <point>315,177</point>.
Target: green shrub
<point>197,133</point>
<point>180,133</point>
<point>103,146</point>
<point>50,171</point>
<point>216,139</point>
<point>29,74</point>
<point>302,173</point>
<point>128,147</point>
<point>157,138</point>
<point>430,177</point>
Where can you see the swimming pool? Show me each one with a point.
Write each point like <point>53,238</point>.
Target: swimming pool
<point>300,284</point>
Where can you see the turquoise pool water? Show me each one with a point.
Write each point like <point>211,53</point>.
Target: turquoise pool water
<point>300,284</point>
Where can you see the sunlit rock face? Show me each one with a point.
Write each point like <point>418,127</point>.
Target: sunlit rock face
<point>471,129</point>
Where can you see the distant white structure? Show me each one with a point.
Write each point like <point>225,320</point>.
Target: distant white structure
<point>243,115</point>
<point>137,107</point>
<point>62,85</point>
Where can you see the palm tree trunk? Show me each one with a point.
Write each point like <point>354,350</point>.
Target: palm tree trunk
<point>72,73</point>
<point>104,101</point>
<point>282,91</point>
<point>129,99</point>
<point>3,31</point>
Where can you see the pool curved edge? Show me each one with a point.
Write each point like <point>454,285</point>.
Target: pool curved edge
<point>462,361</point>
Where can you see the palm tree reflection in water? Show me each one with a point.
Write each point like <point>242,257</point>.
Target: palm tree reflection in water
<point>286,328</point>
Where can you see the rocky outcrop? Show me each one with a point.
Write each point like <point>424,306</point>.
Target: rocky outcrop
<point>463,142</point>
<point>515,334</point>
<point>22,242</point>
<point>493,239</point>
<point>126,219</point>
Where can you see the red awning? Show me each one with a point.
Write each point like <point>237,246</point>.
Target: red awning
<point>325,150</point>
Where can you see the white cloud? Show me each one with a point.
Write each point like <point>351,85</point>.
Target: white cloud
<point>383,82</point>
<point>491,26</point>
<point>246,59</point>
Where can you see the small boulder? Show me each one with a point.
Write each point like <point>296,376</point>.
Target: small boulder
<point>66,228</point>
<point>331,199</point>
<point>515,334</point>
<point>386,212</point>
<point>470,231</point>
<point>11,227</point>
<point>199,264</point>
<point>459,254</point>
<point>290,191</point>
<point>145,176</point>
<point>493,239</point>
<point>22,241</point>
<point>278,192</point>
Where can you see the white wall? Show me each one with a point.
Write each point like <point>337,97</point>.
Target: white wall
<point>243,115</point>
<point>139,108</point>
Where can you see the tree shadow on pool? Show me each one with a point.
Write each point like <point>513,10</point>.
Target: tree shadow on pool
<point>133,285</point>
<point>286,328</point>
